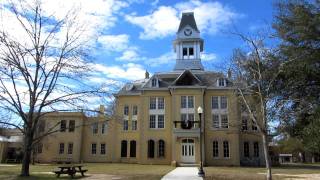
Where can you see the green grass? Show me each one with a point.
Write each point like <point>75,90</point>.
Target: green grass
<point>257,173</point>
<point>125,171</point>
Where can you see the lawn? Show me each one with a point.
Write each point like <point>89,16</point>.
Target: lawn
<point>123,171</point>
<point>152,172</point>
<point>298,171</point>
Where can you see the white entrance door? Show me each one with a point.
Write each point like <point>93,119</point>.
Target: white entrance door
<point>187,151</point>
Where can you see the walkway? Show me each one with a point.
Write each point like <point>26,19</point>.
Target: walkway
<point>183,173</point>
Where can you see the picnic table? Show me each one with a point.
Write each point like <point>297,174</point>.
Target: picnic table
<point>71,170</point>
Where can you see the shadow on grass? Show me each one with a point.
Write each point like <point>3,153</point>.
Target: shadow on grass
<point>299,166</point>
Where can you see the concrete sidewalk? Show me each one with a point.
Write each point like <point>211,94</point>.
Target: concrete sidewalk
<point>183,173</point>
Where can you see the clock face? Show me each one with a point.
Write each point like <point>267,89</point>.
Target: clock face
<point>187,32</point>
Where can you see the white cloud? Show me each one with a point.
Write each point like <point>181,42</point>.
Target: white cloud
<point>205,57</point>
<point>114,42</point>
<point>164,21</point>
<point>130,55</point>
<point>166,58</point>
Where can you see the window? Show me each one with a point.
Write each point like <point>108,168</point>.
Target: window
<point>135,110</point>
<point>226,149</point>
<point>152,122</point>
<point>153,103</point>
<point>102,148</point>
<point>70,148</point>
<point>256,149</point>
<point>123,148</point>
<point>246,151</point>
<point>63,125</point>
<point>224,121</point>
<point>42,125</point>
<point>215,149</point>
<point>161,148</point>
<point>215,102</point>
<point>93,148</point>
<point>39,148</point>
<point>190,51</point>
<point>125,125</point>
<point>134,125</point>
<point>160,121</point>
<point>244,123</point>
<point>185,51</point>
<point>132,148</point>
<point>215,120</point>
<point>94,127</point>
<point>254,126</point>
<point>126,110</point>
<point>222,82</point>
<point>160,103</point>
<point>223,102</point>
<point>150,149</point>
<point>187,102</point>
<point>103,127</point>
<point>61,148</point>
<point>72,125</point>
<point>154,82</point>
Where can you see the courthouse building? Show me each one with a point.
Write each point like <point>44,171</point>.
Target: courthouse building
<point>156,119</point>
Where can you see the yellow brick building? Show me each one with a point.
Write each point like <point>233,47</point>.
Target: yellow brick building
<point>156,119</point>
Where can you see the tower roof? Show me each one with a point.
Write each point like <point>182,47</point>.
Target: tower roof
<point>188,19</point>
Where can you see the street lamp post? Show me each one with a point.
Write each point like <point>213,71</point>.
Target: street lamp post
<point>201,172</point>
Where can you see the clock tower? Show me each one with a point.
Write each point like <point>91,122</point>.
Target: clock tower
<point>188,45</point>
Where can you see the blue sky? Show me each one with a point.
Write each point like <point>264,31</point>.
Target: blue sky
<point>144,41</point>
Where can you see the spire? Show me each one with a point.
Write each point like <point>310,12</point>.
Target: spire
<point>188,19</point>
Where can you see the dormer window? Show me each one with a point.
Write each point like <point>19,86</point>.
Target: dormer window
<point>222,82</point>
<point>154,82</point>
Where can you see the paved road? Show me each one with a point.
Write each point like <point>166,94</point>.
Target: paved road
<point>183,173</point>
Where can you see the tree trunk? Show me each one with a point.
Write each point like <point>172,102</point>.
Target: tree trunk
<point>27,154</point>
<point>266,156</point>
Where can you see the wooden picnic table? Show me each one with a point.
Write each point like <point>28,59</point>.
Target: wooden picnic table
<point>71,170</point>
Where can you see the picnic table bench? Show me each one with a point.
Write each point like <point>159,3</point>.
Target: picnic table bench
<point>71,170</point>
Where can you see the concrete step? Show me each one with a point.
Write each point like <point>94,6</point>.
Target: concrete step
<point>189,165</point>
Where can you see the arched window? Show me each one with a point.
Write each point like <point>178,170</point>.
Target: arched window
<point>161,148</point>
<point>151,148</point>
<point>132,148</point>
<point>123,148</point>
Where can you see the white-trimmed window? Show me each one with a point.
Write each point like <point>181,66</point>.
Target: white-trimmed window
<point>220,121</point>
<point>215,102</point>
<point>126,110</point>
<point>134,125</point>
<point>215,148</point>
<point>95,127</point>
<point>156,121</point>
<point>70,148</point>
<point>102,148</point>
<point>135,110</point>
<point>222,82</point>
<point>219,102</point>
<point>93,148</point>
<point>187,52</point>
<point>226,153</point>
<point>156,103</point>
<point>244,123</point>
<point>187,102</point>
<point>61,148</point>
<point>154,82</point>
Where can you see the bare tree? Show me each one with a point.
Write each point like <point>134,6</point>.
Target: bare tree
<point>43,68</point>
<point>256,72</point>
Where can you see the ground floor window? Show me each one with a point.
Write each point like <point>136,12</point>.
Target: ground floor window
<point>215,149</point>
<point>161,148</point>
<point>256,149</point>
<point>61,148</point>
<point>246,150</point>
<point>132,148</point>
<point>150,149</point>
<point>93,148</point>
<point>102,148</point>
<point>39,149</point>
<point>226,152</point>
<point>70,148</point>
<point>124,148</point>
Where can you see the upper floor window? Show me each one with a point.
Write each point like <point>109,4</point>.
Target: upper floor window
<point>103,127</point>
<point>125,125</point>
<point>94,127</point>
<point>72,124</point>
<point>220,121</point>
<point>63,125</point>
<point>254,126</point>
<point>188,52</point>
<point>187,101</point>
<point>244,124</point>
<point>222,82</point>
<point>156,121</point>
<point>219,102</point>
<point>134,124</point>
<point>154,82</point>
<point>156,103</point>
<point>126,110</point>
<point>42,125</point>
<point>135,110</point>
